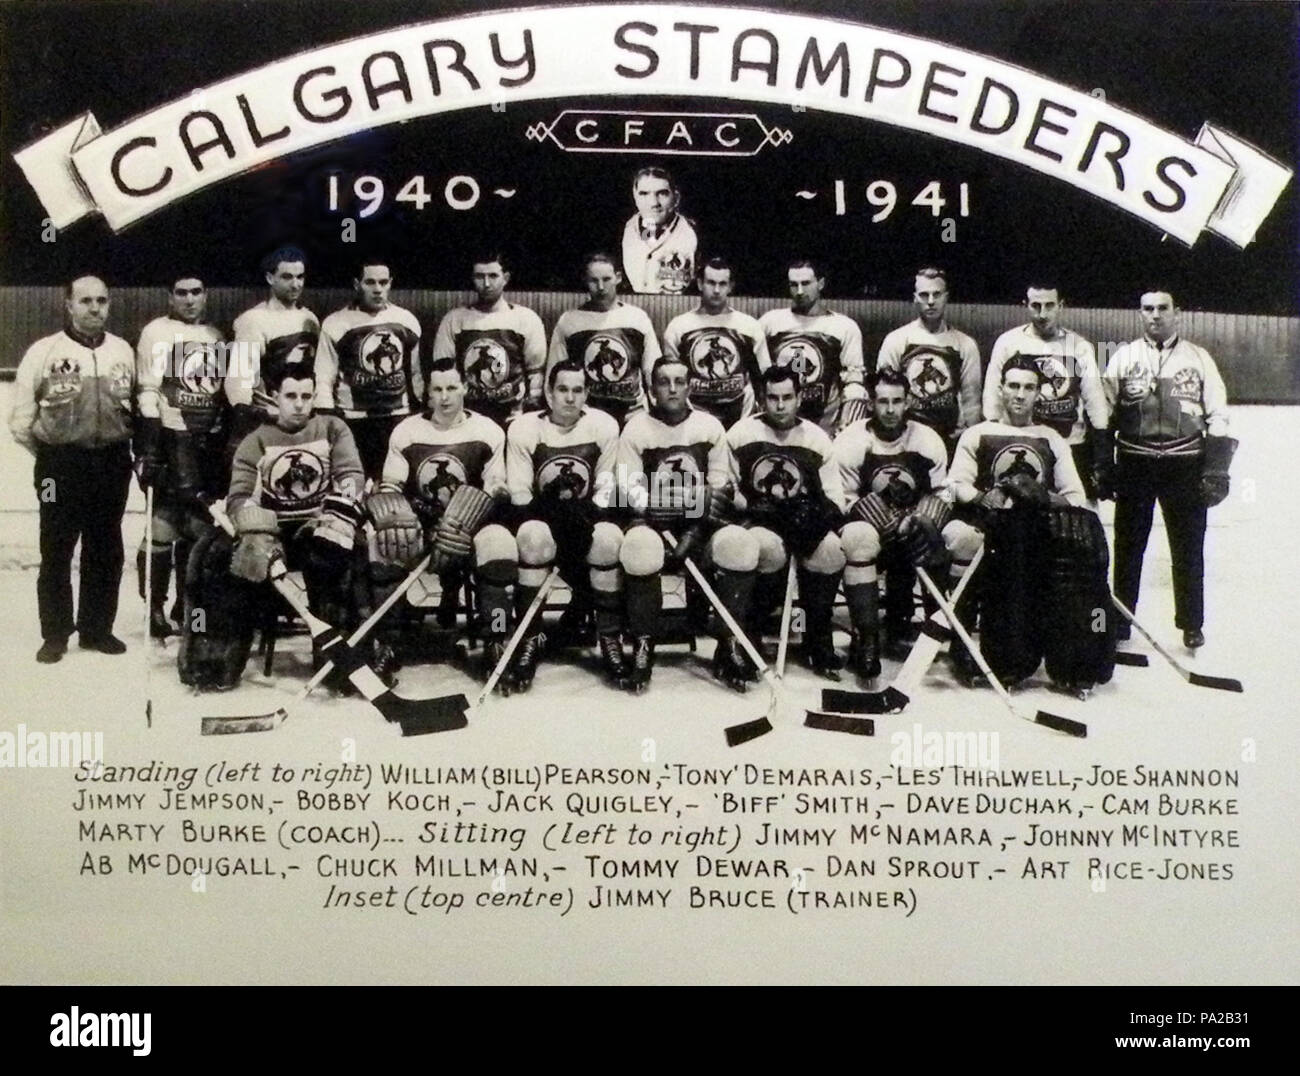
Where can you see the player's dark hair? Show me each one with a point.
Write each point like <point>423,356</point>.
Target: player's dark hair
<point>654,171</point>
<point>1049,285</point>
<point>807,263</point>
<point>1022,362</point>
<point>185,274</point>
<point>777,373</point>
<point>887,376</point>
<point>441,366</point>
<point>283,254</point>
<point>487,257</point>
<point>933,272</point>
<point>363,263</point>
<point>564,366</point>
<point>1159,288</point>
<point>298,371</point>
<point>666,360</point>
<point>599,256</point>
<point>717,263</point>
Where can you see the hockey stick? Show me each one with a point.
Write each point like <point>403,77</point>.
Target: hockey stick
<point>512,644</point>
<point>786,610</point>
<point>1042,717</point>
<point>1221,683</point>
<point>148,605</point>
<point>893,699</point>
<point>761,726</point>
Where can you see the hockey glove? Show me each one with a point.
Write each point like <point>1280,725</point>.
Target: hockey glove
<point>1101,446</point>
<point>852,410</point>
<point>257,542</point>
<point>466,512</point>
<point>1024,491</point>
<point>920,540</point>
<point>148,452</point>
<point>399,538</point>
<point>1214,469</point>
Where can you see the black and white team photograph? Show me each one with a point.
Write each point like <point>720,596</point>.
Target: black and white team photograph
<point>637,493</point>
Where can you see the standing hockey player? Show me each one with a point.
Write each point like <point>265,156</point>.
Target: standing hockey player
<point>891,467</point>
<point>789,484</point>
<point>499,346</point>
<point>658,242</point>
<point>294,489</point>
<point>1171,432</point>
<point>1070,399</point>
<point>941,364</point>
<point>612,341</point>
<point>273,334</point>
<point>823,347</point>
<point>72,411</point>
<point>368,365</point>
<point>722,348</point>
<point>559,467</point>
<point>180,438</point>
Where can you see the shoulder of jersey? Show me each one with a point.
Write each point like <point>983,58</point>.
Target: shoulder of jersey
<point>523,426</point>
<point>601,421</point>
<point>484,427</point>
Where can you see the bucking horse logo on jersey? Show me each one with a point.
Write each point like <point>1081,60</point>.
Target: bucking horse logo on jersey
<point>295,478</point>
<point>776,478</point>
<point>438,477</point>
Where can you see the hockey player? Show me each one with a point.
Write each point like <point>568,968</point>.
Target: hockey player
<point>612,341</point>
<point>825,349</point>
<point>180,438</point>
<point>1171,431</point>
<point>941,364</point>
<point>1070,399</point>
<point>891,467</point>
<point>673,472</point>
<point>443,480</point>
<point>788,482</point>
<point>722,348</point>
<point>294,489</point>
<point>559,467</point>
<point>275,333</point>
<point>499,346</point>
<point>368,365</point>
<point>658,242</point>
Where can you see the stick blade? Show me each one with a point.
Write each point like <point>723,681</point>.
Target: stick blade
<point>1061,724</point>
<point>748,730</point>
<point>1220,683</point>
<point>862,702</point>
<point>854,726</point>
<point>428,723</point>
<point>396,708</point>
<point>224,726</point>
<point>1128,657</point>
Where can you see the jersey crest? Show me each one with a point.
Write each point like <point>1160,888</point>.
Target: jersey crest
<point>932,375</point>
<point>564,473</point>
<point>1005,456</point>
<point>775,476</point>
<point>294,478</point>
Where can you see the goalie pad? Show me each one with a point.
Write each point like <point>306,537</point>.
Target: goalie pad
<point>1012,591</point>
<point>399,538</point>
<point>221,612</point>
<point>1078,625</point>
<point>257,542</point>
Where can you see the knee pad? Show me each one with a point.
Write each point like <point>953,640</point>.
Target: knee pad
<point>771,550</point>
<point>860,542</point>
<point>496,557</point>
<point>642,552</point>
<point>735,549</point>
<point>827,558</point>
<point>535,543</point>
<point>606,541</point>
<point>962,540</point>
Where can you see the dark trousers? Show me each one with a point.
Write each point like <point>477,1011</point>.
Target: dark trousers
<point>372,435</point>
<point>1175,483</point>
<point>82,493</point>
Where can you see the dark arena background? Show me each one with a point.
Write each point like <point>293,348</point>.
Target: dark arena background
<point>547,180</point>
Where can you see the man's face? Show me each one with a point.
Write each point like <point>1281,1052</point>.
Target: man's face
<point>1159,315</point>
<point>87,306</point>
<point>781,404</point>
<point>655,200</point>
<point>1044,310</point>
<point>602,281</point>
<point>889,405</point>
<point>294,402</point>
<point>372,287</point>
<point>568,396</point>
<point>715,289</point>
<point>1019,391</point>
<point>446,395</point>
<point>490,281</point>
<point>670,388</point>
<point>188,300</point>
<point>805,288</point>
<point>931,297</point>
<point>288,281</point>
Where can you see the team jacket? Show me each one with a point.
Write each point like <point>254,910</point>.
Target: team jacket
<point>868,462</point>
<point>942,371</point>
<point>1166,399</point>
<point>502,353</point>
<point>368,365</point>
<point>1070,384</point>
<point>722,353</point>
<point>655,455</point>
<point>290,473</point>
<point>544,458</point>
<point>427,464</point>
<point>180,375</point>
<point>825,351</point>
<point>71,393</point>
<point>613,346</point>
<point>771,465</point>
<point>661,262</point>
<point>274,336</point>
<point>990,451</point>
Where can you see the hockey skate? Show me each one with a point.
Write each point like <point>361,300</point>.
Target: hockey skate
<point>612,660</point>
<point>643,659</point>
<point>730,665</point>
<point>818,654</point>
<point>523,666</point>
<point>864,655</point>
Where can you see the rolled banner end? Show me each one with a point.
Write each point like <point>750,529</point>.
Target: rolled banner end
<point>1253,190</point>
<point>47,164</point>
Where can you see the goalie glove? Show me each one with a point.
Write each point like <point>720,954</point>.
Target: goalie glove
<point>1214,469</point>
<point>257,542</point>
<point>1023,490</point>
<point>466,512</point>
<point>399,538</point>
